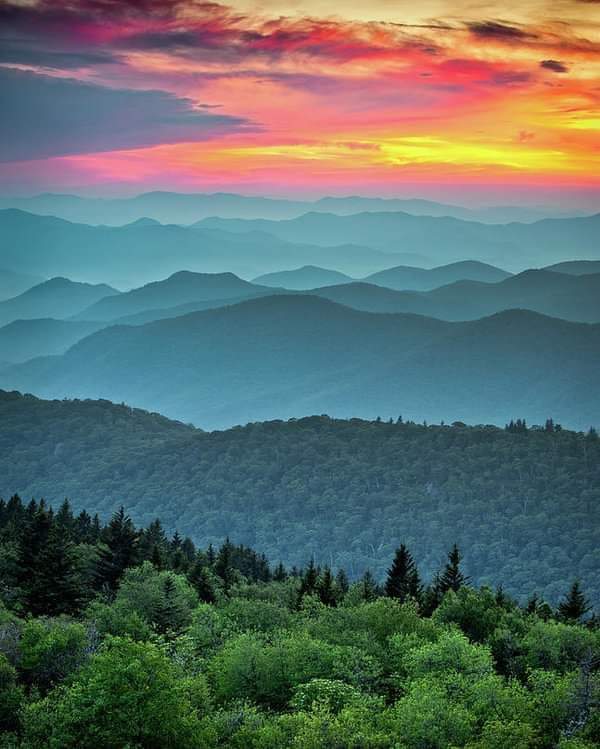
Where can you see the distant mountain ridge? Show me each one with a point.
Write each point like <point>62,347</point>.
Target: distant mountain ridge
<point>141,253</point>
<point>21,340</point>
<point>513,246</point>
<point>186,208</point>
<point>57,298</point>
<point>282,356</point>
<point>179,288</point>
<point>306,277</point>
<point>405,278</point>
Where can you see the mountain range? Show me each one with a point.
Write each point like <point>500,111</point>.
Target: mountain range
<point>284,356</point>
<point>135,254</point>
<point>514,246</point>
<point>185,208</point>
<point>575,298</point>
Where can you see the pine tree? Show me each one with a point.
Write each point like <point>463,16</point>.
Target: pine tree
<point>308,581</point>
<point>325,588</point>
<point>168,615</point>
<point>369,590</point>
<point>119,551</point>
<point>341,582</point>
<point>53,589</point>
<point>575,606</point>
<point>403,577</point>
<point>223,565</point>
<point>279,573</point>
<point>452,577</point>
<point>201,580</point>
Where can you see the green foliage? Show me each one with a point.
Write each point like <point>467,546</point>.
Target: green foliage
<point>292,660</point>
<point>50,650</point>
<point>129,695</point>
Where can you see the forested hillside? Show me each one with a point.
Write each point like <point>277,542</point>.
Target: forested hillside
<point>522,503</point>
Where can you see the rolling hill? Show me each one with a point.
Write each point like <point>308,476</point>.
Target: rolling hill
<point>57,298</point>
<point>307,277</point>
<point>523,506</point>
<point>285,356</point>
<point>405,278</point>
<point>25,339</point>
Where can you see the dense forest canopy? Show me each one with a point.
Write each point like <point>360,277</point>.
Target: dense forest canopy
<point>113,636</point>
<point>522,502</point>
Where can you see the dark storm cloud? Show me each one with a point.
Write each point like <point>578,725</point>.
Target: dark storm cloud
<point>45,116</point>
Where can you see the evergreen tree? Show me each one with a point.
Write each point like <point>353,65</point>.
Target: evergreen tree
<point>308,581</point>
<point>341,582</point>
<point>168,615</point>
<point>223,565</point>
<point>452,577</point>
<point>325,588</point>
<point>575,606</point>
<point>53,589</point>
<point>279,573</point>
<point>201,580</point>
<point>119,550</point>
<point>403,577</point>
<point>369,590</point>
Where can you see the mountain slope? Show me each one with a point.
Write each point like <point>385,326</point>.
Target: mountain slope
<point>522,506</point>
<point>284,356</point>
<point>58,297</point>
<point>25,339</point>
<point>12,284</point>
<point>307,277</point>
<point>420,279</point>
<point>180,288</point>
<point>576,267</point>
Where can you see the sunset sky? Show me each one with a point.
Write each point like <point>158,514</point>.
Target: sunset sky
<point>462,101</point>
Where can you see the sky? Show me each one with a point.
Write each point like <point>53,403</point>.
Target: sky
<point>470,102</point>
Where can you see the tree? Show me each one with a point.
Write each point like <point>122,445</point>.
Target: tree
<point>53,589</point>
<point>169,614</point>
<point>575,606</point>
<point>341,581</point>
<point>403,577</point>
<point>452,577</point>
<point>325,588</point>
<point>202,582</point>
<point>129,695</point>
<point>308,583</point>
<point>223,565</point>
<point>279,574</point>
<point>369,589</point>
<point>119,551</point>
